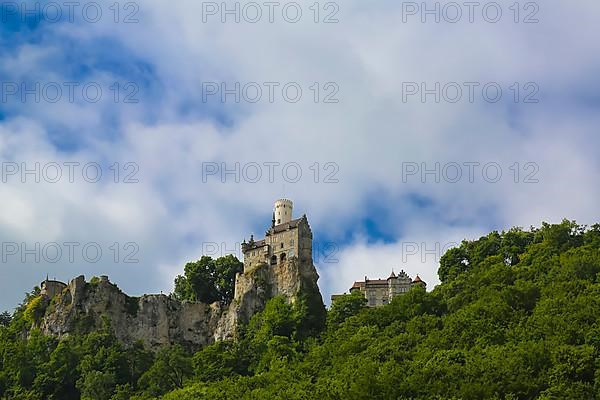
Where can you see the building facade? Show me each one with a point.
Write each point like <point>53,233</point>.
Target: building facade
<point>380,292</point>
<point>286,238</point>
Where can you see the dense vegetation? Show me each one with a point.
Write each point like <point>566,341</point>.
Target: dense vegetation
<point>516,317</point>
<point>208,280</point>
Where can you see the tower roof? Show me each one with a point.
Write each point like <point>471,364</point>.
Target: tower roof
<point>392,276</point>
<point>287,225</point>
<point>418,280</point>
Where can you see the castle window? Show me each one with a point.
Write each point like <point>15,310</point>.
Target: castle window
<point>281,245</point>
<point>292,242</point>
<point>278,221</point>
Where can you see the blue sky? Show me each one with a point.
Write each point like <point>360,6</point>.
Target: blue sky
<point>365,203</point>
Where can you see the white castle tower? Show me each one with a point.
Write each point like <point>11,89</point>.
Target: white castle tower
<point>283,211</point>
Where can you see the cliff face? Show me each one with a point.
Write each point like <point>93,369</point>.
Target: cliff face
<point>158,320</point>
<point>291,279</point>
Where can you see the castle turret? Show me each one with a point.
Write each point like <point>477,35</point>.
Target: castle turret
<point>283,211</point>
<point>50,288</point>
<point>419,282</point>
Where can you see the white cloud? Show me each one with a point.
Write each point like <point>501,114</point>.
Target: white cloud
<point>369,134</point>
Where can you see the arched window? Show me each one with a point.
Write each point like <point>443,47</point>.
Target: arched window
<point>282,258</point>
<point>274,260</point>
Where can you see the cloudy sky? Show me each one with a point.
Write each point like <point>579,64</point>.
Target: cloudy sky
<point>136,136</point>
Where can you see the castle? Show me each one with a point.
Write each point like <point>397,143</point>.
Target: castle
<point>289,238</point>
<point>286,238</point>
<point>380,292</point>
<point>279,265</point>
<point>285,251</point>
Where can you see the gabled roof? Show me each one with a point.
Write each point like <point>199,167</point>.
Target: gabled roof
<point>288,225</point>
<point>256,244</point>
<point>358,285</point>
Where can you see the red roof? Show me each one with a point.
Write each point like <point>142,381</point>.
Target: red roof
<point>377,282</point>
<point>418,280</point>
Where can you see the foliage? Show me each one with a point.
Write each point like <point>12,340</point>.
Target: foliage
<point>35,310</point>
<point>516,317</point>
<point>93,366</point>
<point>170,369</point>
<point>208,280</point>
<point>5,318</point>
<point>218,361</point>
<point>95,280</point>
<point>345,306</point>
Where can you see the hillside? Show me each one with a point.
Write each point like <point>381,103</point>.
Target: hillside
<point>515,317</point>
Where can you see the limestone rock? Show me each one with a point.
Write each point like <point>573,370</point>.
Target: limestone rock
<point>158,320</point>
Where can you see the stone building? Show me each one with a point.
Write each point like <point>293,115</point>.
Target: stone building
<point>380,292</point>
<point>51,288</point>
<point>279,265</point>
<point>286,238</point>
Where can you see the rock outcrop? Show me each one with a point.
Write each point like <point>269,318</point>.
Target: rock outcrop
<point>291,279</point>
<point>158,320</point>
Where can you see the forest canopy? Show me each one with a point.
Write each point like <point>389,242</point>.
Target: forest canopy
<point>515,317</point>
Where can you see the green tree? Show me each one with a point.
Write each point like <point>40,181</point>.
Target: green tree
<point>123,392</point>
<point>453,263</point>
<point>35,309</point>
<point>208,280</point>
<point>58,376</point>
<point>97,385</point>
<point>226,269</point>
<point>5,318</point>
<point>346,306</point>
<point>217,361</point>
<point>171,368</point>
<point>516,317</point>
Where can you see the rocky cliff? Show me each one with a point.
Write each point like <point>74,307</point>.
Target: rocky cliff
<point>291,279</point>
<point>158,320</point>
